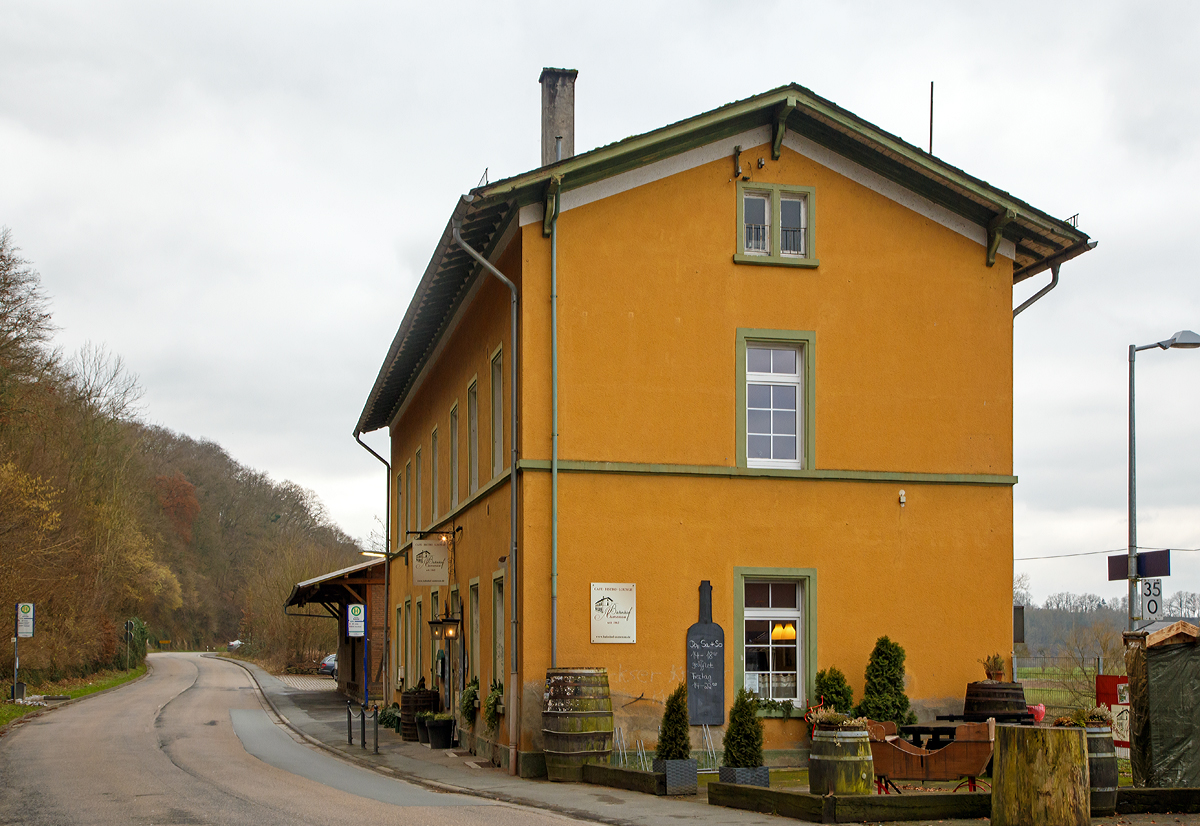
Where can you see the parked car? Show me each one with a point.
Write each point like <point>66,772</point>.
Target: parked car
<point>329,666</point>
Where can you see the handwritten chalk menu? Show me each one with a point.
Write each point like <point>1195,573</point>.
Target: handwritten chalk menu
<point>431,562</point>
<point>614,612</point>
<point>706,666</point>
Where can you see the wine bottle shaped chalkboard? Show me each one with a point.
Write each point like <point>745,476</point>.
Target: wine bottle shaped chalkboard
<point>706,666</point>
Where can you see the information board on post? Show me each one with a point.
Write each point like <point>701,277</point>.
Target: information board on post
<point>356,620</point>
<point>25,615</point>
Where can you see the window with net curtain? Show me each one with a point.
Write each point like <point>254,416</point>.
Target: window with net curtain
<point>772,639</point>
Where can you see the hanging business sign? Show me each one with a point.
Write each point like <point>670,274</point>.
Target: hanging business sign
<point>356,620</point>
<point>25,619</point>
<point>614,612</point>
<point>431,562</point>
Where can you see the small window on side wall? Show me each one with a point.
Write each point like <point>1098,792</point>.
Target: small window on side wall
<point>775,225</point>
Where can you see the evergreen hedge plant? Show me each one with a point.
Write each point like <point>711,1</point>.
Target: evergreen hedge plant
<point>834,691</point>
<point>883,696</point>
<point>743,743</point>
<point>674,739</point>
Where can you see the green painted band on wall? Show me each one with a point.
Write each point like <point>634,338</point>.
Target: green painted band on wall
<point>569,466</point>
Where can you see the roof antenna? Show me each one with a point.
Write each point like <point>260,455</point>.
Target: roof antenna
<point>482,181</point>
<point>931,117</point>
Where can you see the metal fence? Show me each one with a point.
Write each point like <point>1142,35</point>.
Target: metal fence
<point>1062,683</point>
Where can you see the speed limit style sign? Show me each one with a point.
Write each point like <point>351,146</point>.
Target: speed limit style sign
<point>1152,599</point>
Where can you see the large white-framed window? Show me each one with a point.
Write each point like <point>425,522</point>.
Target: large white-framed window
<point>497,414</point>
<point>419,519</point>
<point>773,626</point>
<point>774,417</point>
<point>473,436</point>
<point>454,456</point>
<point>398,645</point>
<point>419,643</point>
<point>408,645</point>
<point>775,224</point>
<point>775,398</point>
<point>433,475</point>
<point>434,645</point>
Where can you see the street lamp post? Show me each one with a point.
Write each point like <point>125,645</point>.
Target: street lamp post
<point>1184,339</point>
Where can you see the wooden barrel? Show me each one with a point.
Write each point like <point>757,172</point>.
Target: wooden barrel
<point>840,762</point>
<point>987,699</point>
<point>577,721</point>
<point>1040,777</point>
<point>1102,771</point>
<point>412,702</point>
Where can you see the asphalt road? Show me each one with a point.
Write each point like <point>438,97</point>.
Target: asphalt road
<point>193,744</point>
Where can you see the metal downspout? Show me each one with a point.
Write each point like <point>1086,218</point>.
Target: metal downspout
<point>1033,298</point>
<point>554,435</point>
<point>387,568</point>
<point>512,706</point>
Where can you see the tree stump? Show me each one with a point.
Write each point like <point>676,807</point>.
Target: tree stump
<point>1041,777</point>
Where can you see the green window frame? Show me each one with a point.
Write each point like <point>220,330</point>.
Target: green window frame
<point>807,580</point>
<point>806,341</point>
<point>776,193</point>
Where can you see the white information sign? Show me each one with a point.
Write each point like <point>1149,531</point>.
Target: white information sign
<point>356,620</point>
<point>614,612</point>
<point>431,562</point>
<point>1152,599</point>
<point>25,619</point>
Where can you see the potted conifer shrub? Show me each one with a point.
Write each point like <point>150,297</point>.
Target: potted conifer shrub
<point>833,690</point>
<point>743,744</point>
<point>673,756</point>
<point>883,696</point>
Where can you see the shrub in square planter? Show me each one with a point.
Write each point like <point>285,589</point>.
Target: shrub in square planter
<point>673,754</point>
<point>743,744</point>
<point>441,730</point>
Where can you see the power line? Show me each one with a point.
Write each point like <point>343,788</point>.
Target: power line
<point>1098,553</point>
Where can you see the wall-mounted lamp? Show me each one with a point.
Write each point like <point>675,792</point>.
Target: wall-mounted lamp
<point>446,628</point>
<point>902,498</point>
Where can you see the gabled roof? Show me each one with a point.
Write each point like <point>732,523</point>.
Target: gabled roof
<point>1040,239</point>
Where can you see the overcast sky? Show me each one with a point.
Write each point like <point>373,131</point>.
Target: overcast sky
<point>239,199</point>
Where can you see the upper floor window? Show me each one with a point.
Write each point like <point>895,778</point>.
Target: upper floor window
<point>473,436</point>
<point>775,398</point>
<point>433,475</point>
<point>775,225</point>
<point>497,415</point>
<point>454,456</point>
<point>773,378</point>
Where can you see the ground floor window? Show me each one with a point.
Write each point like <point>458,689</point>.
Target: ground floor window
<point>772,618</point>
<point>776,610</point>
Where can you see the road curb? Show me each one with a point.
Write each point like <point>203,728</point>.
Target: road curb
<point>417,780</point>
<point>4,729</point>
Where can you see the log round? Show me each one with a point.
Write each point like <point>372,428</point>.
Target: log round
<point>1041,776</point>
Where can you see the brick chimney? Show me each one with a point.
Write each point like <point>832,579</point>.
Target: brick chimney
<point>558,112</point>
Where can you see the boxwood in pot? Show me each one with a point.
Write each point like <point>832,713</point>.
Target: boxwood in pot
<point>673,754</point>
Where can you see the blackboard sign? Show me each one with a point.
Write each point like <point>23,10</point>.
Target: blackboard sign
<point>706,666</point>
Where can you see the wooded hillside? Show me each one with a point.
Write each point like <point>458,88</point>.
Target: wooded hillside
<point>104,518</point>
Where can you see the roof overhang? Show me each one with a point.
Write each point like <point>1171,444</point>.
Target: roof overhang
<point>1040,240</point>
<point>337,586</point>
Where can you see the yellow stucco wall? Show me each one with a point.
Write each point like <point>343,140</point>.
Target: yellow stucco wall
<point>913,374</point>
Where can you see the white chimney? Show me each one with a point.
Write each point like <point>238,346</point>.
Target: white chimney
<point>558,113</point>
